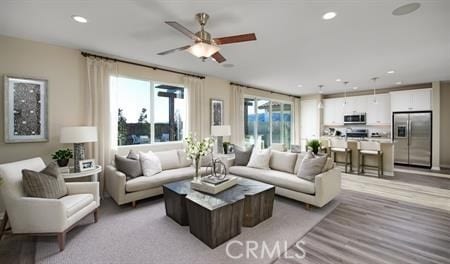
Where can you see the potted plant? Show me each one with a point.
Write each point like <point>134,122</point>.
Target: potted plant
<point>62,157</point>
<point>314,145</point>
<point>226,146</point>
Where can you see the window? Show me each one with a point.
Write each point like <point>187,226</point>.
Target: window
<point>267,122</point>
<point>149,112</point>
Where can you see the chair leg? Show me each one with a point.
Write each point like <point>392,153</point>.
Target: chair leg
<point>3,224</point>
<point>307,206</point>
<point>96,215</point>
<point>351,161</point>
<point>133,204</point>
<point>346,159</point>
<point>362,163</point>
<point>382,165</point>
<point>62,240</point>
<point>359,162</point>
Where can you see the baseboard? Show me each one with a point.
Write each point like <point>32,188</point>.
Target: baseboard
<point>425,173</point>
<point>436,168</point>
<point>445,166</point>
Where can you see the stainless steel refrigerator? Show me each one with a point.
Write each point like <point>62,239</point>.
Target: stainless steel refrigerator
<point>412,137</point>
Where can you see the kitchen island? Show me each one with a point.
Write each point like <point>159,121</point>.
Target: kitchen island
<point>387,146</point>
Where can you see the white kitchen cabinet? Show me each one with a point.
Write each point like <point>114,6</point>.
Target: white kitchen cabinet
<point>379,113</point>
<point>411,100</point>
<point>333,111</point>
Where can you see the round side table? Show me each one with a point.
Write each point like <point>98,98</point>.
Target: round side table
<point>93,173</point>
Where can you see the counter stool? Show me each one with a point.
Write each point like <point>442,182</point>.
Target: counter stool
<point>341,146</point>
<point>372,149</point>
<point>325,146</point>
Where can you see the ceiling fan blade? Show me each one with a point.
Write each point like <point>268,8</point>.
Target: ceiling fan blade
<point>183,30</point>
<point>218,57</point>
<point>173,50</point>
<point>235,39</point>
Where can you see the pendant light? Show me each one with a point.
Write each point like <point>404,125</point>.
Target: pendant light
<point>374,79</point>
<point>345,92</point>
<point>320,104</point>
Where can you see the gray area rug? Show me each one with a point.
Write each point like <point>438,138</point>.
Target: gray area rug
<point>146,235</point>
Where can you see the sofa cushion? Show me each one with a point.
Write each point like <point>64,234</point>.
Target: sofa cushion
<point>48,183</point>
<point>206,160</point>
<point>183,158</point>
<point>329,164</point>
<point>276,178</point>
<point>157,180</point>
<point>130,167</point>
<point>76,202</point>
<point>242,155</point>
<point>150,163</point>
<point>283,161</point>
<point>260,159</point>
<point>169,159</point>
<point>310,168</point>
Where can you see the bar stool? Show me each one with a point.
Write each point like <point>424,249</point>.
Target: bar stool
<point>325,146</point>
<point>341,146</point>
<point>372,149</point>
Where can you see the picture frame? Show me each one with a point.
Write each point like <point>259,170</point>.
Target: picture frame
<point>88,164</point>
<point>26,109</point>
<point>217,113</point>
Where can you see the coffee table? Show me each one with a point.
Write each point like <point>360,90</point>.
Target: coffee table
<point>214,219</point>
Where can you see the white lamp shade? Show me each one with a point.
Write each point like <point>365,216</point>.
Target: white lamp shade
<point>218,131</point>
<point>79,134</point>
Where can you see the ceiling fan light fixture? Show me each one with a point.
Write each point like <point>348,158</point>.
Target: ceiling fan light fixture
<point>203,50</point>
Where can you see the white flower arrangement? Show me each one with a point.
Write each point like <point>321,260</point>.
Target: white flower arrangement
<point>195,149</point>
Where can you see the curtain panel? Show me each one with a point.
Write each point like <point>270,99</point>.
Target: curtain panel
<point>297,121</point>
<point>237,115</point>
<point>99,110</point>
<point>196,101</point>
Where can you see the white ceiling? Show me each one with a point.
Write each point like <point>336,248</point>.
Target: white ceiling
<point>294,46</point>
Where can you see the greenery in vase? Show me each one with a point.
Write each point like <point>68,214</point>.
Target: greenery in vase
<point>62,154</point>
<point>314,145</point>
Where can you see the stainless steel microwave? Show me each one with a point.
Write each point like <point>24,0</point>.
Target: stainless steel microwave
<point>355,119</point>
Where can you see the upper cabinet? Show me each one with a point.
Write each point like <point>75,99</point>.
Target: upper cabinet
<point>411,100</point>
<point>379,113</point>
<point>333,111</point>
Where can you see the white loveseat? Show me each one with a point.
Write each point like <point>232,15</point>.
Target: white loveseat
<point>325,187</point>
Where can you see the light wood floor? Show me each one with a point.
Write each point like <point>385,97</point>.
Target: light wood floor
<point>366,228</point>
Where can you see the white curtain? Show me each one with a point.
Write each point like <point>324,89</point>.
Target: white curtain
<point>196,101</point>
<point>99,110</point>
<point>297,120</point>
<point>237,115</point>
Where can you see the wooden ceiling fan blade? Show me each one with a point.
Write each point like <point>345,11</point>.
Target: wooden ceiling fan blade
<point>235,39</point>
<point>183,30</point>
<point>218,57</point>
<point>173,50</point>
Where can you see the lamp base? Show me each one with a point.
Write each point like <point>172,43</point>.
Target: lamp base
<point>220,144</point>
<point>78,155</point>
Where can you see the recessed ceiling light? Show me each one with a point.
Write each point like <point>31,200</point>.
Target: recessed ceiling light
<point>228,65</point>
<point>329,15</point>
<point>399,82</point>
<point>355,87</point>
<point>299,86</point>
<point>79,19</point>
<point>391,72</point>
<point>338,80</point>
<point>406,9</point>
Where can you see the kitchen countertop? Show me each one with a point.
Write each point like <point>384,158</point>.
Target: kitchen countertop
<point>374,139</point>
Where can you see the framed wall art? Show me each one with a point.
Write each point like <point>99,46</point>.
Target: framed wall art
<point>216,112</point>
<point>25,110</point>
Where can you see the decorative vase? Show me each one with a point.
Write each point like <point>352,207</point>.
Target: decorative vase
<point>197,176</point>
<point>63,162</point>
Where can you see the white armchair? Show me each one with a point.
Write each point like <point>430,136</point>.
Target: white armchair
<point>35,216</point>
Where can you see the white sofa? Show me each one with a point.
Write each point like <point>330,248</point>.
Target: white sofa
<point>175,167</point>
<point>325,187</point>
<point>29,215</point>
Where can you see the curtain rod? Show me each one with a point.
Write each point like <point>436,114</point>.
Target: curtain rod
<point>85,54</point>
<point>264,90</point>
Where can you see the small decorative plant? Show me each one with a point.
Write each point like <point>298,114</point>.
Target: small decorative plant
<point>195,149</point>
<point>62,156</point>
<point>226,146</point>
<point>314,145</point>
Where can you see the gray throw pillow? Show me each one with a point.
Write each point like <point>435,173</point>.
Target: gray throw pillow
<point>242,155</point>
<point>132,155</point>
<point>311,167</point>
<point>130,167</point>
<point>47,183</point>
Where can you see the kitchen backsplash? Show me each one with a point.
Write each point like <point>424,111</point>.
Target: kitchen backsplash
<point>383,131</point>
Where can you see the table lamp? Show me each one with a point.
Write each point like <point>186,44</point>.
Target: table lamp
<point>219,132</point>
<point>78,136</point>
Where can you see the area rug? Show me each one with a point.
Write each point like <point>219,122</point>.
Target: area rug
<point>146,235</point>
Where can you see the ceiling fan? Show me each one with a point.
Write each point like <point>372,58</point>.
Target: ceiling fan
<point>204,45</point>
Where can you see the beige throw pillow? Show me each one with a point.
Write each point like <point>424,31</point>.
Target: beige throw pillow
<point>260,159</point>
<point>310,168</point>
<point>47,183</point>
<point>150,163</point>
<point>183,158</point>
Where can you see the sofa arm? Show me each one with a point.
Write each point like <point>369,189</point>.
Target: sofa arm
<point>115,183</point>
<point>37,215</point>
<point>328,185</point>
<point>85,187</point>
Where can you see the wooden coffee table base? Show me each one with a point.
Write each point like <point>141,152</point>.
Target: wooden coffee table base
<point>258,207</point>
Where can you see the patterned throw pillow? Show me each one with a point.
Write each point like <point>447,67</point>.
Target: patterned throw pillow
<point>260,159</point>
<point>130,167</point>
<point>47,183</point>
<point>242,155</point>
